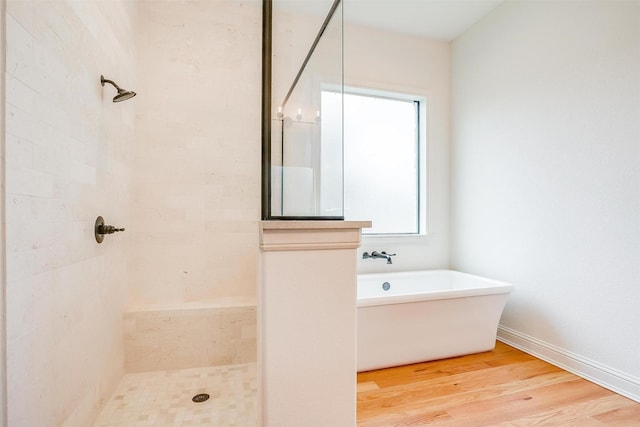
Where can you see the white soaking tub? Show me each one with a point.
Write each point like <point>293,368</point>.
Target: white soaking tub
<point>417,316</point>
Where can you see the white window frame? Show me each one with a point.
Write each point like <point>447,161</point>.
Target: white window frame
<point>422,193</point>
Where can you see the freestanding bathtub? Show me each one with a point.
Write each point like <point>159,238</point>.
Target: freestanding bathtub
<point>417,316</point>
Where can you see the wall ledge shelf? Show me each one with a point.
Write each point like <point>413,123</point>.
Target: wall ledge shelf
<point>310,235</point>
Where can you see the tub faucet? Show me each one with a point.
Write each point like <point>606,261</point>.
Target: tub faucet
<point>376,254</point>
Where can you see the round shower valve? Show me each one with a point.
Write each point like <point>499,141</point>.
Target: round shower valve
<point>101,229</point>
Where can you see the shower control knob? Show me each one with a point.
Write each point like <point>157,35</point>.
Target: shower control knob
<point>109,229</point>
<point>101,229</point>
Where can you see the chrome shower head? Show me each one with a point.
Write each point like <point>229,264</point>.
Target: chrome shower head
<point>122,95</point>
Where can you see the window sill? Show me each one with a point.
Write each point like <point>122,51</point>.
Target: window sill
<point>400,238</point>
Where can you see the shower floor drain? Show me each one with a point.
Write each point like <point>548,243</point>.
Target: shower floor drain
<point>199,398</point>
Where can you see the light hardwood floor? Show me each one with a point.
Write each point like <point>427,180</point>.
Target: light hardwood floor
<point>502,387</point>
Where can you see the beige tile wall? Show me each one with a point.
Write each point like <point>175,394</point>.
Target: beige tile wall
<point>182,176</point>
<point>68,151</point>
<point>196,170</point>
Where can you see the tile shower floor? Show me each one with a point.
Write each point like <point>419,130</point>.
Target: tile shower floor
<point>163,398</point>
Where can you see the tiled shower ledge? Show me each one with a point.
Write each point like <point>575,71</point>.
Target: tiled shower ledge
<point>312,225</point>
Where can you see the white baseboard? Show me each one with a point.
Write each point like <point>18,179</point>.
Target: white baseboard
<point>598,373</point>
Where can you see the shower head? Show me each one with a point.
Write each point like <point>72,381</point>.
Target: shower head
<point>122,95</point>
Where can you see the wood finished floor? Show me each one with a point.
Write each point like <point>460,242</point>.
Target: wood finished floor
<point>502,387</point>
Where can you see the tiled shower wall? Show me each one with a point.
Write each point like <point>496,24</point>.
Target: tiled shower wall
<point>69,151</point>
<point>196,168</point>
<point>72,154</point>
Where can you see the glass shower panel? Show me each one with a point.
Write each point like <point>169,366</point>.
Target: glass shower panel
<point>306,134</point>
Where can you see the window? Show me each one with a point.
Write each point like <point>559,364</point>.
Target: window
<point>384,161</point>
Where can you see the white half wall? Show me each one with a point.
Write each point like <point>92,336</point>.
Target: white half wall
<point>545,173</point>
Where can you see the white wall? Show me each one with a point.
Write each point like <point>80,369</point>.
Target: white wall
<point>68,158</point>
<point>546,173</point>
<point>196,174</point>
<point>394,62</point>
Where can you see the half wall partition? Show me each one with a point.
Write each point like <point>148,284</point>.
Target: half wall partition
<point>302,155</point>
